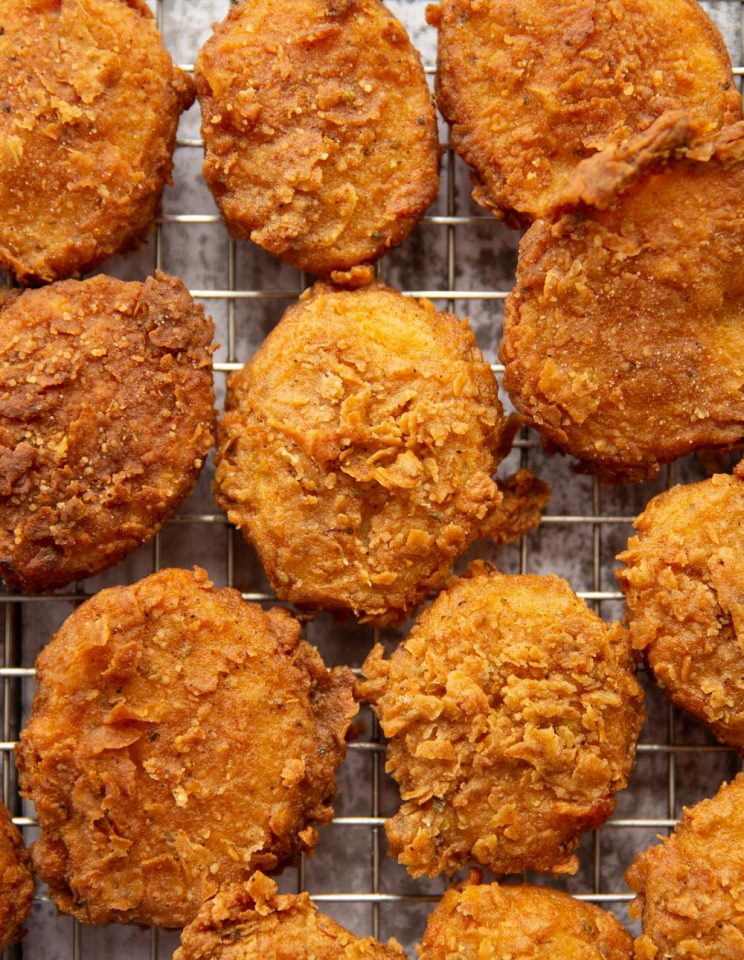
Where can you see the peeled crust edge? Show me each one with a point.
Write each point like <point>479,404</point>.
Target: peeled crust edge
<point>601,178</point>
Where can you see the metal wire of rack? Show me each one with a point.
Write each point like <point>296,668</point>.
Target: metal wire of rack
<point>17,674</point>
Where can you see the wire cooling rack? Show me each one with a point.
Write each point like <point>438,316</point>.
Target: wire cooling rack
<point>464,261</point>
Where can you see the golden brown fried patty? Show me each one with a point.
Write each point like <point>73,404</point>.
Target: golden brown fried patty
<point>513,713</point>
<point>16,881</point>
<point>319,129</point>
<point>624,333</point>
<point>682,581</point>
<point>357,448</point>
<point>89,105</point>
<point>106,417</point>
<point>490,922</point>
<point>250,922</point>
<point>689,887</point>
<point>531,88</point>
<point>180,738</point>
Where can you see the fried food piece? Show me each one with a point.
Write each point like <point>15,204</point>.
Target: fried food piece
<point>16,881</point>
<point>89,105</point>
<point>357,448</point>
<point>624,332</point>
<point>531,88</point>
<point>180,739</point>
<point>475,921</point>
<point>106,417</point>
<point>251,922</point>
<point>683,583</point>
<point>513,713</point>
<point>689,886</point>
<point>319,130</point>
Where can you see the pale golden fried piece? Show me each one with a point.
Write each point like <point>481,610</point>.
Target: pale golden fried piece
<point>531,88</point>
<point>357,449</point>
<point>682,581</point>
<point>251,922</point>
<point>689,886</point>
<point>492,922</point>
<point>106,417</point>
<point>180,739</point>
<point>16,881</point>
<point>624,333</point>
<point>89,105</point>
<point>513,713</point>
<point>319,129</point>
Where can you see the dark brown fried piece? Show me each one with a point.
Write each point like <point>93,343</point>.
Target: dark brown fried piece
<point>624,333</point>
<point>480,922</point>
<point>531,88</point>
<point>513,714</point>
<point>251,922</point>
<point>16,881</point>
<point>89,105</point>
<point>180,739</point>
<point>689,887</point>
<point>106,417</point>
<point>319,129</point>
<point>357,449</point>
<point>683,588</point>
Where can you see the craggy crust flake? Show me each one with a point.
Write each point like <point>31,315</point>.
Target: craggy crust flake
<point>689,887</point>
<point>530,89</point>
<point>491,922</point>
<point>524,497</point>
<point>624,333</point>
<point>180,738</point>
<point>683,588</point>
<point>319,129</point>
<point>106,417</point>
<point>89,105</point>
<point>250,922</point>
<point>16,881</point>
<point>513,713</point>
<point>357,449</point>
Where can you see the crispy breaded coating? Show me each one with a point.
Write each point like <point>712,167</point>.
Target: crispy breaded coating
<point>106,417</point>
<point>475,921</point>
<point>16,881</point>
<point>689,887</point>
<point>513,713</point>
<point>180,739</point>
<point>357,448</point>
<point>531,88</point>
<point>624,332</point>
<point>683,588</point>
<point>89,105</point>
<point>319,130</point>
<point>524,497</point>
<point>251,922</point>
